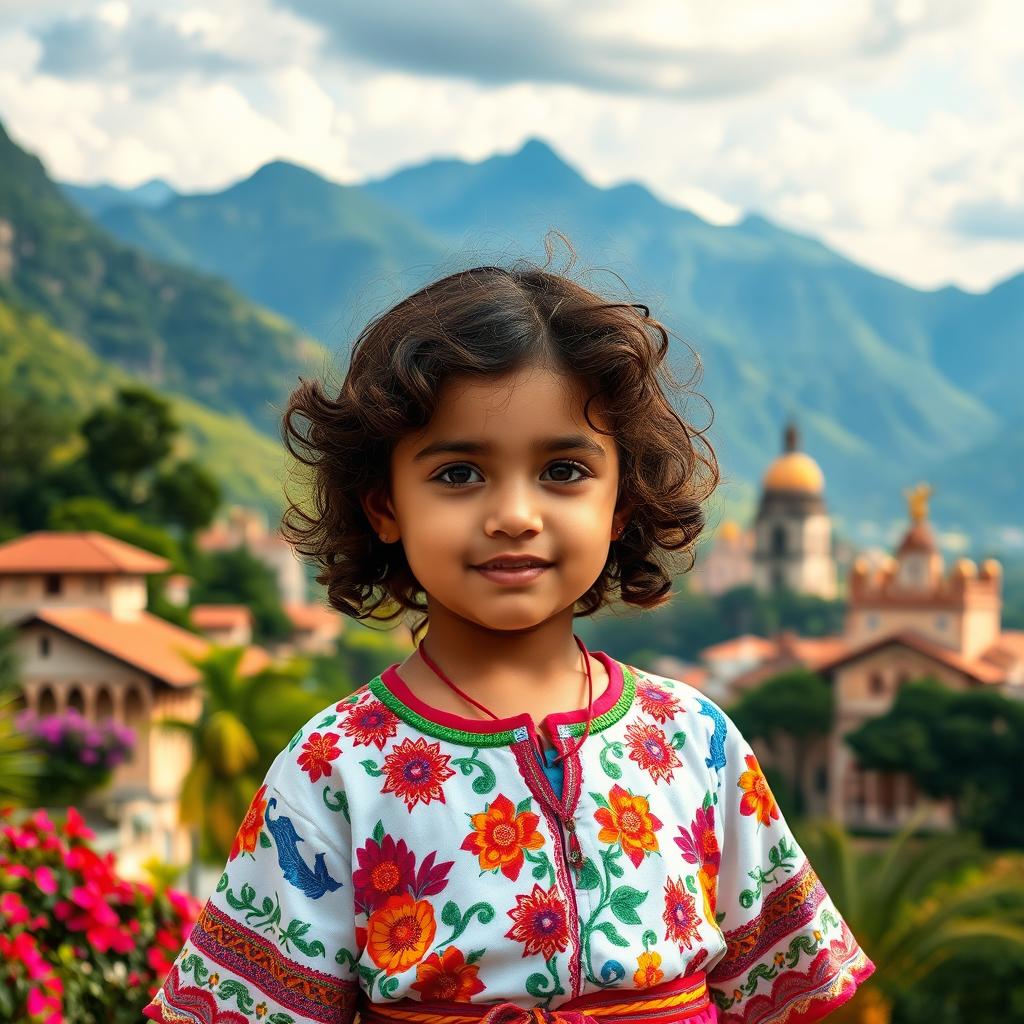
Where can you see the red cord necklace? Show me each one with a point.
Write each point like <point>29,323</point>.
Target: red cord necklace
<point>465,696</point>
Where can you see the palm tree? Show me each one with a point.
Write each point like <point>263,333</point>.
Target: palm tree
<point>19,763</point>
<point>914,908</point>
<point>244,722</point>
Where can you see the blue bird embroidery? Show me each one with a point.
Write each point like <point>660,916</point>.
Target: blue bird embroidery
<point>313,883</point>
<point>716,759</point>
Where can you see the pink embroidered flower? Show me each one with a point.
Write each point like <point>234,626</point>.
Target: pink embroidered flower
<point>700,847</point>
<point>317,754</point>
<point>680,914</point>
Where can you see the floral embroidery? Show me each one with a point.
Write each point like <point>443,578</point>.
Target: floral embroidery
<point>447,976</point>
<point>648,970</point>
<point>317,754</point>
<point>501,833</point>
<point>656,702</point>
<point>757,797</point>
<point>400,933</point>
<point>649,747</point>
<point>370,724</point>
<point>415,771</point>
<point>680,914</point>
<point>626,820</point>
<point>249,831</point>
<point>539,922</point>
<point>388,868</point>
<point>700,847</point>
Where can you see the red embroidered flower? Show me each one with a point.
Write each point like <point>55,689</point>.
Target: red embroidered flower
<point>249,831</point>
<point>700,847</point>
<point>539,922</point>
<point>680,915</point>
<point>500,836</point>
<point>651,750</point>
<point>385,869</point>
<point>415,771</point>
<point>627,820</point>
<point>317,754</point>
<point>370,723</point>
<point>757,797</point>
<point>447,977</point>
<point>656,702</point>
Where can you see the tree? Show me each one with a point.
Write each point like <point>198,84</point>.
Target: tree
<point>966,746</point>
<point>797,704</point>
<point>916,907</point>
<point>244,723</point>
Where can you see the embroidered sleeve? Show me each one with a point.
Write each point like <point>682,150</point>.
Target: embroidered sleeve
<point>790,956</point>
<point>275,943</point>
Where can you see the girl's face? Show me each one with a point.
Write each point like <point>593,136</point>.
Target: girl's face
<point>507,466</point>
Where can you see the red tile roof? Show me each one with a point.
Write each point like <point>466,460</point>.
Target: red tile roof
<point>148,643</point>
<point>312,616</point>
<point>86,551</point>
<point>220,616</point>
<point>749,645</point>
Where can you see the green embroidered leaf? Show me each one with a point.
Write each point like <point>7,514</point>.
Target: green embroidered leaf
<point>450,914</point>
<point>222,882</point>
<point>624,902</point>
<point>612,770</point>
<point>524,805</point>
<point>650,938</point>
<point>337,802</point>
<point>474,955</point>
<point>265,840</point>
<point>345,958</point>
<point>280,1018</point>
<point>707,800</point>
<point>314,948</point>
<point>229,988</point>
<point>611,933</point>
<point>370,767</point>
<point>294,740</point>
<point>378,832</point>
<point>678,740</point>
<point>600,801</point>
<point>328,720</point>
<point>388,987</point>
<point>589,877</point>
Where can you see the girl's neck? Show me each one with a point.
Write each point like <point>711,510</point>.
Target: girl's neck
<point>540,670</point>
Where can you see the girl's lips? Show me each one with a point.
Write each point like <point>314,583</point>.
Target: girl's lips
<point>522,575</point>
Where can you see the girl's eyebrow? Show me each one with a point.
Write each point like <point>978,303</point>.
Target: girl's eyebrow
<point>570,442</point>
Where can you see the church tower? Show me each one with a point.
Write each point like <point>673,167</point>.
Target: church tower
<point>793,531</point>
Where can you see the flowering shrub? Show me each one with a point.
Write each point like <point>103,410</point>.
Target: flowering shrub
<point>78,755</point>
<point>78,944</point>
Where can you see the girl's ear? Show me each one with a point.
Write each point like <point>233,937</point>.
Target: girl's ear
<point>377,506</point>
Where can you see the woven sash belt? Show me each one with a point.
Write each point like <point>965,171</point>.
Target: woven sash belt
<point>685,999</point>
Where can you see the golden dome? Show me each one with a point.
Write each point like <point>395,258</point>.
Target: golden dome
<point>729,530</point>
<point>794,471</point>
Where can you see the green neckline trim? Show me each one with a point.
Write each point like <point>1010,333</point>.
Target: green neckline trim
<point>506,736</point>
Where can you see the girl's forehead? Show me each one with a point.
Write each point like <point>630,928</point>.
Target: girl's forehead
<point>516,410</point>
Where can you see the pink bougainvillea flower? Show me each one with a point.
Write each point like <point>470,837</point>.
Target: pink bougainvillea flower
<point>45,880</point>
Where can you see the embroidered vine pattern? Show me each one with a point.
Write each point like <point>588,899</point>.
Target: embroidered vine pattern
<point>467,765</point>
<point>782,856</point>
<point>229,989</point>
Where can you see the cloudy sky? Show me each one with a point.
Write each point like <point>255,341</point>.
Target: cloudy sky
<point>893,129</point>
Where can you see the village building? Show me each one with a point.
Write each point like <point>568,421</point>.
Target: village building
<point>906,618</point>
<point>84,639</point>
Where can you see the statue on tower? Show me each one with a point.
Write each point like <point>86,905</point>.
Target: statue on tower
<point>917,501</point>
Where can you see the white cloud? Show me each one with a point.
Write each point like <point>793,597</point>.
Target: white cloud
<point>891,130</point>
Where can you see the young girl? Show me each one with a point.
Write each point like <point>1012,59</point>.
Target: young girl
<point>507,827</point>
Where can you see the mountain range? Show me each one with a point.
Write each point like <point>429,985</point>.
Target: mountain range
<point>889,384</point>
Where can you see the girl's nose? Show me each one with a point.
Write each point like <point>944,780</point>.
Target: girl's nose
<point>515,510</point>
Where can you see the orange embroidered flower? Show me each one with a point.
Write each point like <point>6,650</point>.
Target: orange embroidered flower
<point>500,836</point>
<point>447,977</point>
<point>648,970</point>
<point>709,886</point>
<point>400,933</point>
<point>629,822</point>
<point>249,831</point>
<point>757,797</point>
<point>317,754</point>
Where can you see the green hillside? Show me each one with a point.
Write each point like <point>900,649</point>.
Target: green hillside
<point>173,327</point>
<point>39,361</point>
<point>307,247</point>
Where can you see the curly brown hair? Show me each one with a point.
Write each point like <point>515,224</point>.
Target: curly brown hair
<point>482,322</point>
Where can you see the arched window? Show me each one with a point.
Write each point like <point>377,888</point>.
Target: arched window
<point>76,700</point>
<point>778,544</point>
<point>47,701</point>
<point>876,684</point>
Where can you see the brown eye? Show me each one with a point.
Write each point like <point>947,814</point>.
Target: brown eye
<point>570,465</point>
